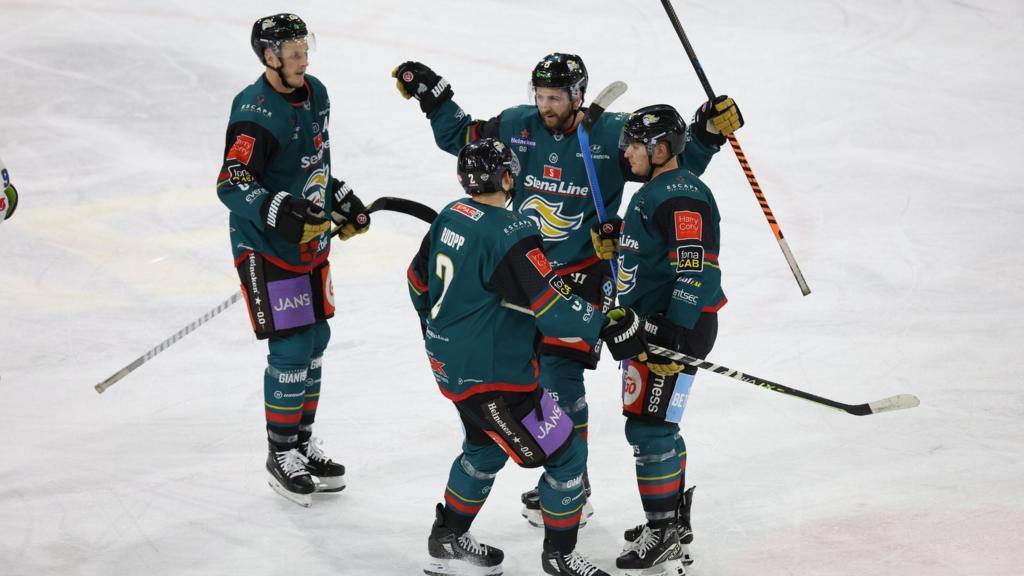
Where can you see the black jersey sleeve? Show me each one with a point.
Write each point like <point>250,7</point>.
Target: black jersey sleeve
<point>527,282</point>
<point>687,227</point>
<point>248,149</point>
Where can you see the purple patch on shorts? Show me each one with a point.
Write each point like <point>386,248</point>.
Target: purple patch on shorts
<point>291,302</point>
<point>553,430</point>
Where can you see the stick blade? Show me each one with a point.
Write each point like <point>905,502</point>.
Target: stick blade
<point>898,402</point>
<point>601,103</point>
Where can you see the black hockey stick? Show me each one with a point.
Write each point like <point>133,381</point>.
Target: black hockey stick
<point>740,156</point>
<point>390,203</point>
<point>898,402</point>
<point>410,207</point>
<point>597,107</point>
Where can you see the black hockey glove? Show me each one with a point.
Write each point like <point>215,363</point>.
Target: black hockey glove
<point>659,331</point>
<point>297,220</point>
<point>711,125</point>
<point>414,80</point>
<point>9,202</point>
<point>348,212</point>
<point>624,335</point>
<point>605,237</point>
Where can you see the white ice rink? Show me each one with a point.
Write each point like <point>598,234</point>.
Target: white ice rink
<point>886,135</point>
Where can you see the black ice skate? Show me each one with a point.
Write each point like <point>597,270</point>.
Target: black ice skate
<point>685,530</point>
<point>571,564</point>
<point>655,552</point>
<point>328,475</point>
<point>459,554</point>
<point>531,506</point>
<point>289,478</point>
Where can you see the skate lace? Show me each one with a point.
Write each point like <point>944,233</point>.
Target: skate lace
<point>646,542</point>
<point>469,543</point>
<point>579,564</point>
<point>291,463</point>
<point>315,452</point>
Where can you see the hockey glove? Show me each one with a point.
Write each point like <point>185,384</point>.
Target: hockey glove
<point>711,125</point>
<point>348,212</point>
<point>9,202</point>
<point>414,80</point>
<point>297,220</point>
<point>606,237</point>
<point>623,334</point>
<point>659,331</point>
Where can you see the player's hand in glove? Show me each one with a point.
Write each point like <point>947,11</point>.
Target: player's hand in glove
<point>415,80</point>
<point>8,202</point>
<point>297,220</point>
<point>711,124</point>
<point>606,237</point>
<point>658,331</point>
<point>624,335</point>
<point>348,212</point>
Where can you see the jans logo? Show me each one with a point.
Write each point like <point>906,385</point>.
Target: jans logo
<point>626,278</point>
<point>315,189</point>
<point>552,172</point>
<point>553,224</point>
<point>539,261</point>
<point>688,225</point>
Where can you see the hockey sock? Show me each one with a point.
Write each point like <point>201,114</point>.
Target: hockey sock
<point>563,378</point>
<point>681,451</point>
<point>562,495</point>
<point>469,482</point>
<point>321,334</point>
<point>283,392</point>
<point>658,471</point>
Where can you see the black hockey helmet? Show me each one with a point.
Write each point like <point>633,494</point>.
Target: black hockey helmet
<point>560,70</point>
<point>482,163</point>
<point>652,124</point>
<point>271,31</point>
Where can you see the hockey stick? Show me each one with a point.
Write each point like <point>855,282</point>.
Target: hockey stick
<point>410,207</point>
<point>740,156</point>
<point>898,402</point>
<point>597,107</point>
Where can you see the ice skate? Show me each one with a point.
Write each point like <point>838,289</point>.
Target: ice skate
<point>571,564</point>
<point>328,475</point>
<point>459,554</point>
<point>685,530</point>
<point>655,552</point>
<point>289,478</point>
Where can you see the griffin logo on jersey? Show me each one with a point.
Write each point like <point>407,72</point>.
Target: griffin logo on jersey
<point>548,216</point>
<point>626,278</point>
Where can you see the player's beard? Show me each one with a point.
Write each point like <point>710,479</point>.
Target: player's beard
<point>559,122</point>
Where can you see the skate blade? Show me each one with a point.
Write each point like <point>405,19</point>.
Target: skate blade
<point>455,567</point>
<point>329,484</point>
<point>536,519</point>
<point>666,568</point>
<point>304,500</point>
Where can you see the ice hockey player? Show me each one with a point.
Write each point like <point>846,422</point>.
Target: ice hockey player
<point>669,273</point>
<point>9,199</point>
<point>483,288</point>
<point>276,180</point>
<point>555,193</point>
